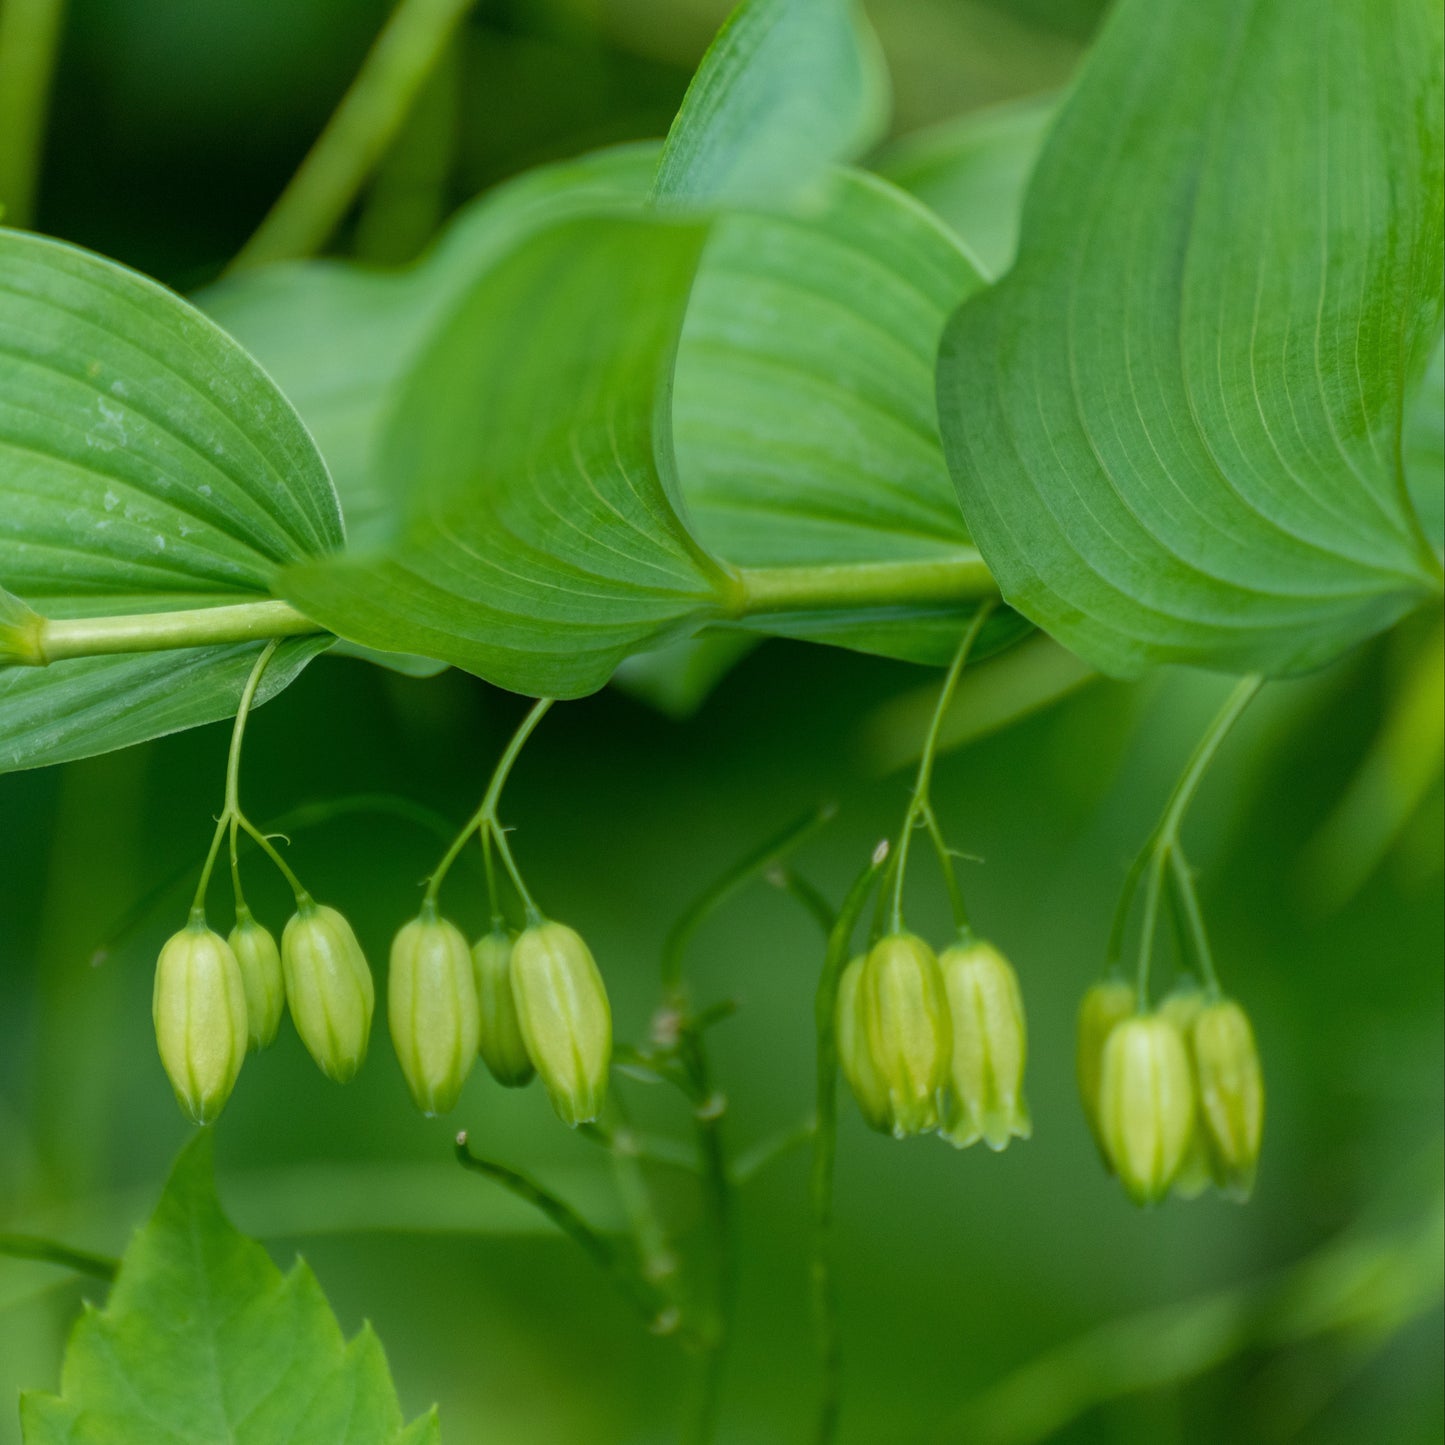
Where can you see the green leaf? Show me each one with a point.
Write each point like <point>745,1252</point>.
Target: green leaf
<point>1424,448</point>
<point>972,173</point>
<point>788,88</point>
<point>541,548</point>
<point>204,1339</point>
<point>1175,425</point>
<point>146,464</point>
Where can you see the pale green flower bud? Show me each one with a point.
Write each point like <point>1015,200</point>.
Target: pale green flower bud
<point>329,988</point>
<point>1231,1094</point>
<point>431,1005</point>
<point>502,1045</point>
<point>260,961</point>
<point>199,1009</point>
<point>1103,1006</point>
<point>853,1056</point>
<point>989,1047</point>
<point>1146,1105</point>
<point>565,1018</point>
<point>906,1022</point>
<point>1181,1008</point>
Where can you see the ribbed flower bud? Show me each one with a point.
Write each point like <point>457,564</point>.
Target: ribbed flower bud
<point>329,988</point>
<point>431,1006</point>
<point>1146,1105</point>
<point>199,1009</point>
<point>502,1045</point>
<point>906,1023</point>
<point>260,962</point>
<point>853,1056</point>
<point>1231,1094</point>
<point>565,1018</point>
<point>989,1047</point>
<point>1103,1006</point>
<point>1181,1008</point>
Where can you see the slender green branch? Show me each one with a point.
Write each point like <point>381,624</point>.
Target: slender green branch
<point>808,894</point>
<point>825,1147</point>
<point>959,579</point>
<point>358,133</point>
<point>63,637</point>
<point>504,852</point>
<point>1191,917</point>
<point>48,1251</point>
<point>946,866</point>
<point>269,849</point>
<point>29,41</point>
<point>752,1161</point>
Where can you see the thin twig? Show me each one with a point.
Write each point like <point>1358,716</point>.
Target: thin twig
<point>29,41</point>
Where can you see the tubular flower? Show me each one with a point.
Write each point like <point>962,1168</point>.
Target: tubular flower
<point>1103,1006</point>
<point>1231,1095</point>
<point>199,1009</point>
<point>906,1023</point>
<point>853,1056</point>
<point>329,988</point>
<point>502,1045</point>
<point>989,1047</point>
<point>1146,1105</point>
<point>565,1018</point>
<point>260,961</point>
<point>432,1010</point>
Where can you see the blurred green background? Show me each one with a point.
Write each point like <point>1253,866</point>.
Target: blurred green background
<point>1312,1314</point>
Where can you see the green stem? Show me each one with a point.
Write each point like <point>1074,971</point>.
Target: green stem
<point>358,133</point>
<point>504,852</point>
<point>919,802</point>
<point>958,579</point>
<point>950,873</point>
<point>47,1251</point>
<point>29,42</point>
<point>825,1147</point>
<point>1186,903</point>
<point>268,848</point>
<point>64,637</point>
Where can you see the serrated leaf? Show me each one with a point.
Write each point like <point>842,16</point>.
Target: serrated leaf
<point>786,90</point>
<point>1175,425</point>
<point>204,1339</point>
<point>146,464</point>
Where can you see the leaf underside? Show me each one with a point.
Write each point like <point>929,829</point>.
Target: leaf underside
<point>204,1339</point>
<point>1175,425</point>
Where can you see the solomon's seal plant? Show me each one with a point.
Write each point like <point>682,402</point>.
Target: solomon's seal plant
<point>1137,376</point>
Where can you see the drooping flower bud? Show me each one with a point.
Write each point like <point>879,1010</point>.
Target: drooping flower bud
<point>989,1047</point>
<point>431,1004</point>
<point>502,1045</point>
<point>853,1056</point>
<point>1181,1008</point>
<point>906,1023</point>
<point>260,962</point>
<point>1231,1094</point>
<point>565,1018</point>
<point>329,988</point>
<point>1146,1105</point>
<point>199,1009</point>
<point>1103,1006</point>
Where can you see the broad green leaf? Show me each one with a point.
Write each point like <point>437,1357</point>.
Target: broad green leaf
<point>1175,425</point>
<point>204,1339</point>
<point>788,89</point>
<point>541,542</point>
<point>972,173</point>
<point>146,464</point>
<point>1424,448</point>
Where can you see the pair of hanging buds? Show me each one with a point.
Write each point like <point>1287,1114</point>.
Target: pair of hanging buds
<point>535,1003</point>
<point>931,1041</point>
<point>217,998</point>
<point>1174,1097</point>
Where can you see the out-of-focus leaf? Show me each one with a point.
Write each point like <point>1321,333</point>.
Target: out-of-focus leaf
<point>146,463</point>
<point>205,1339</point>
<point>972,172</point>
<point>677,679</point>
<point>788,89</point>
<point>1424,448</point>
<point>1175,424</point>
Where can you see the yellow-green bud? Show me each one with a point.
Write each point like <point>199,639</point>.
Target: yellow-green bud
<point>565,1018</point>
<point>853,1055</point>
<point>199,1009</point>
<point>906,1023</point>
<point>989,1047</point>
<point>329,988</point>
<point>1146,1105</point>
<point>260,961</point>
<point>1103,1006</point>
<point>1231,1094</point>
<point>1181,1008</point>
<point>431,1006</point>
<point>502,1045</point>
